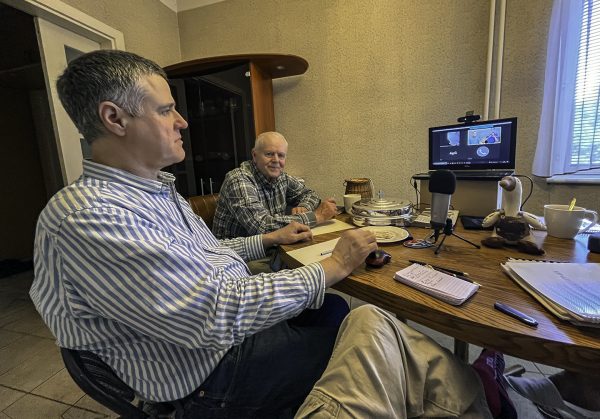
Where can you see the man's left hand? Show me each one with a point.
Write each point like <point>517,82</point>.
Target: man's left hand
<point>291,233</point>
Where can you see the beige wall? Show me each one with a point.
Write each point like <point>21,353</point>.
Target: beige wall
<point>148,26</point>
<point>380,73</point>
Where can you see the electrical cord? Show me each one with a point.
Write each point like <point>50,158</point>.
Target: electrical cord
<point>530,190</point>
<point>417,192</point>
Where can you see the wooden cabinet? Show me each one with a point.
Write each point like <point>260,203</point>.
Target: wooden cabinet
<point>227,102</point>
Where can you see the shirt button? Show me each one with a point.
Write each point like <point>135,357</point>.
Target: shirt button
<point>223,404</point>
<point>201,393</point>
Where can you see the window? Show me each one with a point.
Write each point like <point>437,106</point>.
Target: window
<point>585,147</point>
<point>569,135</point>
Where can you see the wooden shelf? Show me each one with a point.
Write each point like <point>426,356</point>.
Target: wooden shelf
<point>272,65</point>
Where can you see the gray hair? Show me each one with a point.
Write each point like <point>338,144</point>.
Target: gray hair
<point>103,75</point>
<point>262,138</point>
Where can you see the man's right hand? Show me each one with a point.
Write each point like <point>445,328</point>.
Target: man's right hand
<point>351,250</point>
<point>326,210</point>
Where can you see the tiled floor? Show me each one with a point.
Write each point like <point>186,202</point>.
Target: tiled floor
<point>34,383</point>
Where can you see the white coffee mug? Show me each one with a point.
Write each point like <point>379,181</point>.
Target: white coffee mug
<point>566,224</point>
<point>350,199</point>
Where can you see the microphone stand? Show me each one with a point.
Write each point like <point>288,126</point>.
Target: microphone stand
<point>448,231</point>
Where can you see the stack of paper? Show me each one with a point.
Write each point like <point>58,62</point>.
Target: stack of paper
<point>446,287</point>
<point>571,291</point>
<point>314,253</point>
<point>330,226</point>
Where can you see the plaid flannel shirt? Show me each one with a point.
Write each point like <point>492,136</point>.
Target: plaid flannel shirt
<point>250,204</point>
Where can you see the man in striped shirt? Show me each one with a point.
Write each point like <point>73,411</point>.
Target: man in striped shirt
<point>255,196</point>
<point>124,269</point>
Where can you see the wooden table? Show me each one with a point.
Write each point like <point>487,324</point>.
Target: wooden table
<point>553,342</point>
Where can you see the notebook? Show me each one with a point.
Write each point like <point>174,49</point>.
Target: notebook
<point>446,287</point>
<point>476,150</point>
<point>570,291</point>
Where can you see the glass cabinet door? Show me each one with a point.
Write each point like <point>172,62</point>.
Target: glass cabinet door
<point>219,138</point>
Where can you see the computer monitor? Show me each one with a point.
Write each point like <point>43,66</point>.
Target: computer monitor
<point>480,145</point>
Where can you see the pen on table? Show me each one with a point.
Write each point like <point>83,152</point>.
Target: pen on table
<point>451,271</point>
<point>326,252</point>
<point>512,312</point>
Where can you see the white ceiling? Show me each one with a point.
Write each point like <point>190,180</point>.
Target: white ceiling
<point>181,5</point>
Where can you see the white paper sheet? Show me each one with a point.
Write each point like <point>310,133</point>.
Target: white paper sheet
<point>314,253</point>
<point>330,226</point>
<point>437,284</point>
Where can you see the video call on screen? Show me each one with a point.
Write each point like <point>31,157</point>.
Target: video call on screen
<point>480,144</point>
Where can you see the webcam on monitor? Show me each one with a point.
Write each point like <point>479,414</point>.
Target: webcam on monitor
<point>469,117</point>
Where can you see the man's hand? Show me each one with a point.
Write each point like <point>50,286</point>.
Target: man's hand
<point>299,210</point>
<point>326,210</point>
<point>351,250</point>
<point>291,233</point>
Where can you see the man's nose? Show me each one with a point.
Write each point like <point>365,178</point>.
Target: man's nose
<point>181,122</point>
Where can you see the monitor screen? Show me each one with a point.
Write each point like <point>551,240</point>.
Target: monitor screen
<point>477,145</point>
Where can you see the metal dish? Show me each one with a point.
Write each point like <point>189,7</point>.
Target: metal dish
<point>381,212</point>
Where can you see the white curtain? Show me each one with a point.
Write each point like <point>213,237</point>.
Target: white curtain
<point>552,155</point>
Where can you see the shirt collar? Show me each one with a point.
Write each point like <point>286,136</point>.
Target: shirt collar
<point>112,174</point>
<point>262,179</point>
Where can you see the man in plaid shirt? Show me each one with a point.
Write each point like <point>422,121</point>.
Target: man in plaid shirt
<point>254,197</point>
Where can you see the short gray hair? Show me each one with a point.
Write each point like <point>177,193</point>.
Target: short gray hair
<point>103,75</point>
<point>260,140</point>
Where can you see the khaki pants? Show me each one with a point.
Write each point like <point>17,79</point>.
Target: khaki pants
<point>381,368</point>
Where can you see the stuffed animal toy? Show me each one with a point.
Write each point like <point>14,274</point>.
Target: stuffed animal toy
<point>511,225</point>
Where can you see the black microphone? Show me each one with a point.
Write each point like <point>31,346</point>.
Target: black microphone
<point>442,184</point>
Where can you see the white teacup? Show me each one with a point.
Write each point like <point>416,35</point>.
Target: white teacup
<point>350,199</point>
<point>566,224</point>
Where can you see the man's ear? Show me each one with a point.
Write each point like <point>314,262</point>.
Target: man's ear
<point>113,117</point>
<point>254,155</point>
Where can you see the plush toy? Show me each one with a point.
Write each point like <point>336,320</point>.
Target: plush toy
<point>511,225</point>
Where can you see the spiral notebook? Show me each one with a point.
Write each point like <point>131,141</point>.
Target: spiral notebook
<point>446,287</point>
<point>570,291</point>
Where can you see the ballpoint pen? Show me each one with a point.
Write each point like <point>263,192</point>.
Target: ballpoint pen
<point>326,252</point>
<point>450,271</point>
<point>512,312</point>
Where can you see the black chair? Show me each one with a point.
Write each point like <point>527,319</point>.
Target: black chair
<point>100,382</point>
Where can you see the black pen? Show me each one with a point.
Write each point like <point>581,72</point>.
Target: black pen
<point>442,270</point>
<point>529,321</point>
<point>450,271</point>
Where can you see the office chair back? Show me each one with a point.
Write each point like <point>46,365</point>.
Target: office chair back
<point>99,381</point>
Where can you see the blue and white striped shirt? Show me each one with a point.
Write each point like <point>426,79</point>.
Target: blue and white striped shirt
<point>125,269</point>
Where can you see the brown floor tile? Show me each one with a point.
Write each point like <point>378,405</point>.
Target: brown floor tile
<point>60,387</point>
<point>33,371</point>
<point>30,323</point>
<point>86,402</point>
<point>34,407</point>
<point>76,413</point>
<point>20,281</point>
<point>21,350</point>
<point>14,310</point>
<point>7,337</point>
<point>8,396</point>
